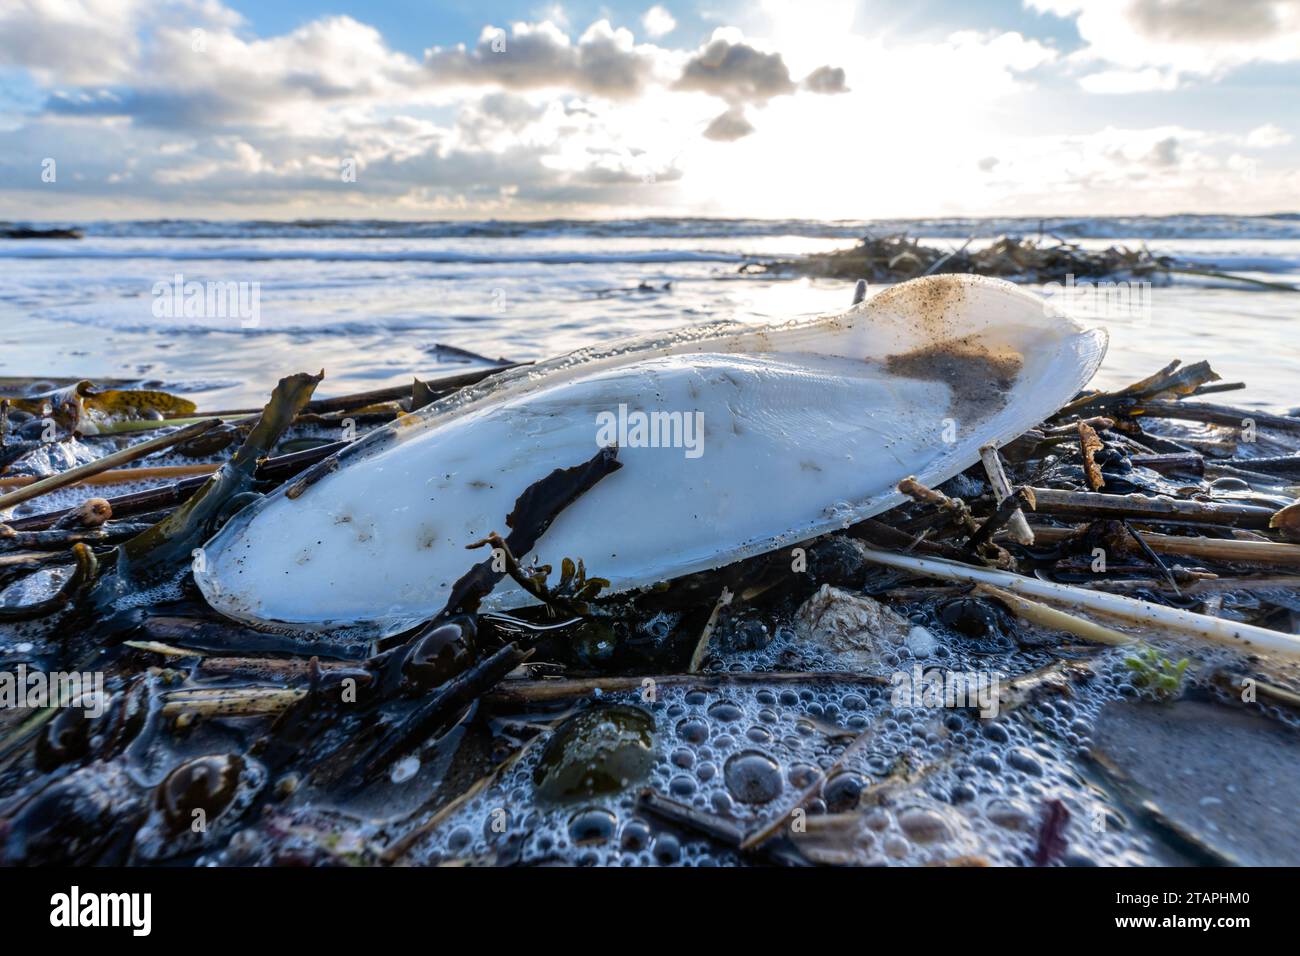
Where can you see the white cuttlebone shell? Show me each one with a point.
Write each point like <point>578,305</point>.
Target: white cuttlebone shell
<point>807,427</point>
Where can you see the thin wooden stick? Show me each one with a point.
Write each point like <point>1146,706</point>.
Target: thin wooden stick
<point>956,507</point>
<point>1287,521</point>
<point>526,692</point>
<point>702,646</point>
<point>168,496</point>
<point>885,536</point>
<point>1001,515</point>
<point>1050,617</point>
<point>1170,464</point>
<point>231,701</point>
<point>1152,557</point>
<point>146,425</point>
<point>74,475</point>
<point>405,843</point>
<point>1243,637</point>
<point>1203,585</point>
<point>1224,415</point>
<point>779,821</point>
<point>1210,273</point>
<point>1089,445</point>
<point>1091,505</point>
<point>1286,465</point>
<point>1071,430</point>
<point>1208,549</point>
<point>439,386</point>
<point>1016,524</point>
<point>122,475</point>
<point>1233,684</point>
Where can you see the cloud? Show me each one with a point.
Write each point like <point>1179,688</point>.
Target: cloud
<point>510,110</point>
<point>1146,45</point>
<point>1014,51</point>
<point>1129,81</point>
<point>1267,137</point>
<point>736,72</point>
<point>1197,21</point>
<point>604,61</point>
<point>94,41</point>
<point>1164,152</point>
<point>826,79</point>
<point>216,79</point>
<point>658,22</point>
<point>215,115</point>
<point>729,126</point>
<point>147,117</point>
<point>498,118</point>
<point>741,74</point>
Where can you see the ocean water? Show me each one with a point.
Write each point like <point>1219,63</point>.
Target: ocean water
<point>368,301</point>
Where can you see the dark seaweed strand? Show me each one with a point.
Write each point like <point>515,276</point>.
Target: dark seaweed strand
<point>534,511</point>
<point>432,714</point>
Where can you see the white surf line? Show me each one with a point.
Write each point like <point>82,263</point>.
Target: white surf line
<point>1243,637</point>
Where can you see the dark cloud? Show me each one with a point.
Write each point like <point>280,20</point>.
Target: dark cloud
<point>603,61</point>
<point>225,81</point>
<point>1165,152</point>
<point>826,79</point>
<point>729,126</point>
<point>501,111</point>
<point>622,175</point>
<point>1201,20</point>
<point>609,178</point>
<point>742,75</point>
<point>737,73</point>
<point>99,163</point>
<point>197,109</point>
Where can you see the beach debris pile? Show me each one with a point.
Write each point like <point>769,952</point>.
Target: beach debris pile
<point>11,231</point>
<point>1063,655</point>
<point>1037,259</point>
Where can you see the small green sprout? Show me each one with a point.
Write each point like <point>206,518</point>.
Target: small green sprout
<point>1156,673</point>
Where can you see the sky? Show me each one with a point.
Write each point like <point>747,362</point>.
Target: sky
<point>507,109</point>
